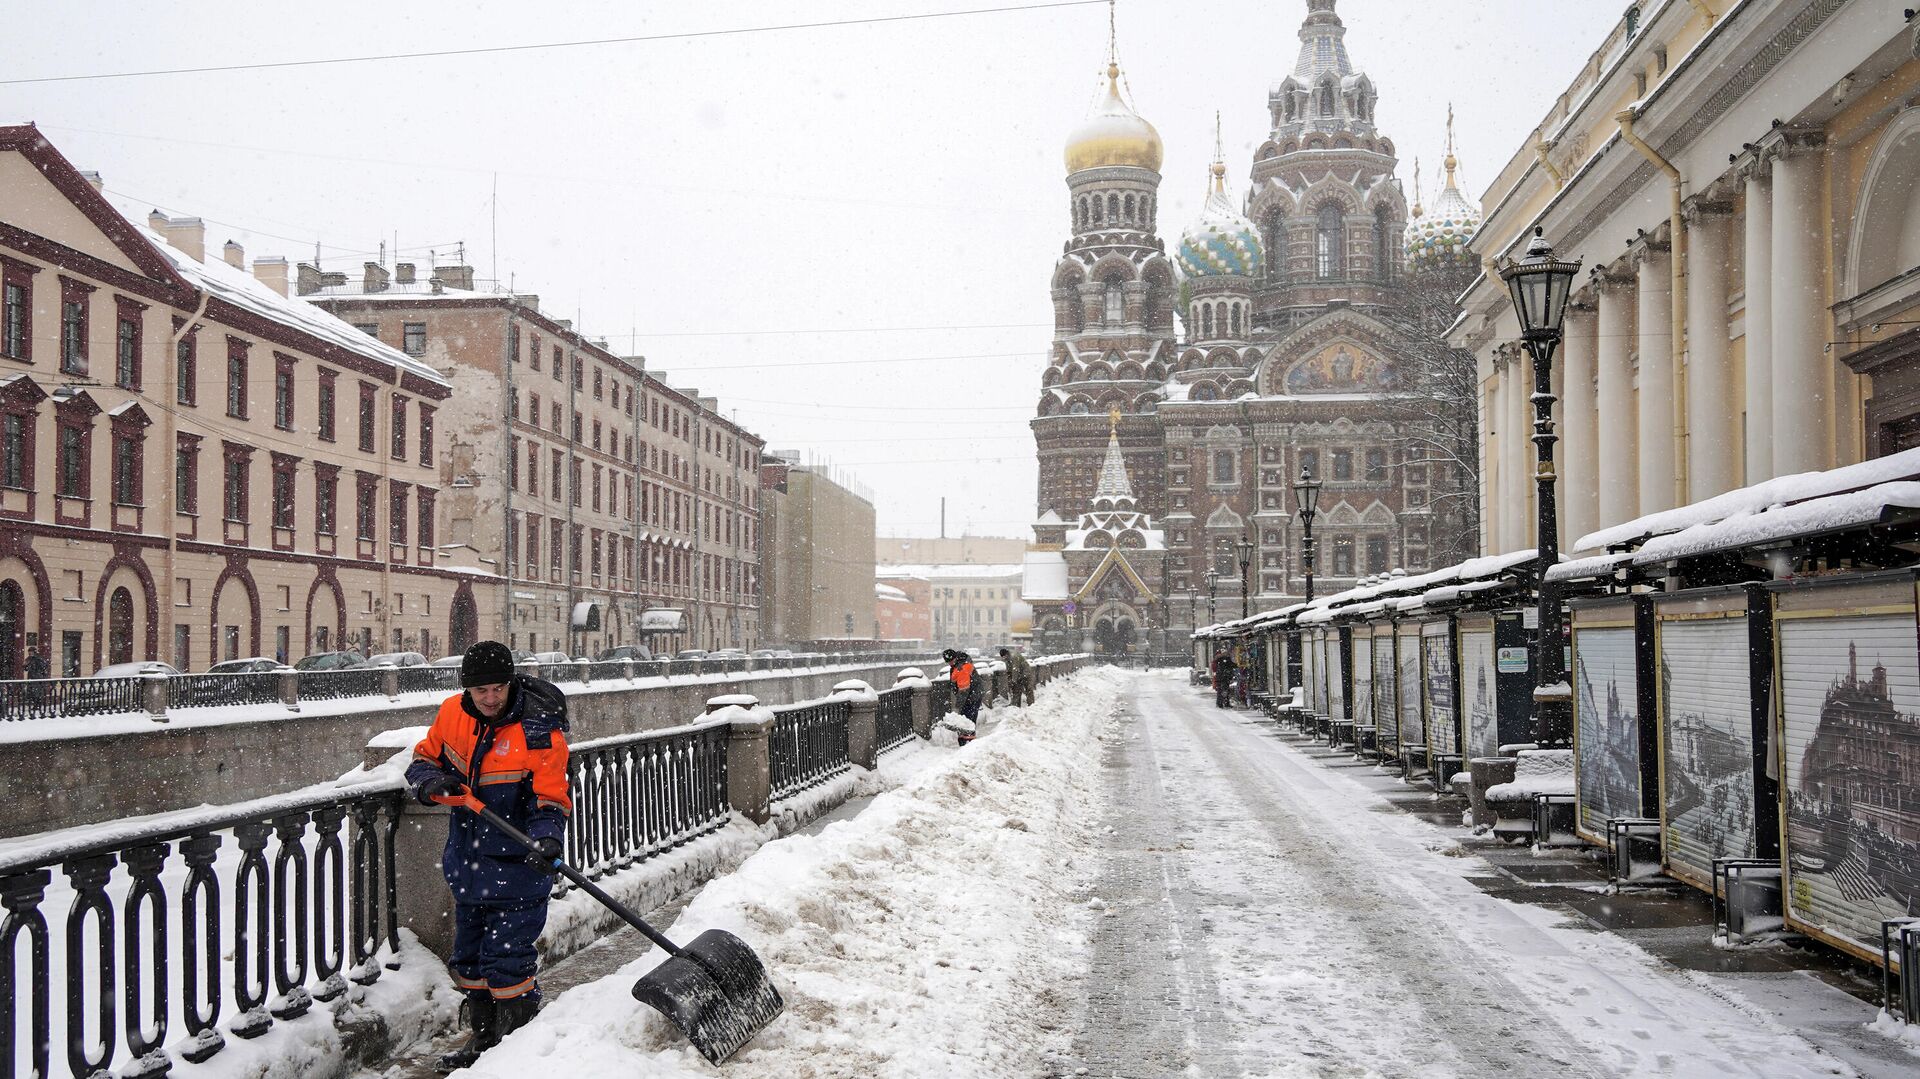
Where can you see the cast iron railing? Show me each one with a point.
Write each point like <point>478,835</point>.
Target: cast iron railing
<point>332,685</point>
<point>808,745</point>
<point>941,700</point>
<point>649,668</point>
<point>893,719</point>
<point>638,795</point>
<point>607,671</point>
<point>148,944</point>
<point>218,690</point>
<point>418,679</point>
<point>45,698</point>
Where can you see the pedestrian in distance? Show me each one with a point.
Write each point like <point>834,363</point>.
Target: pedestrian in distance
<point>965,687</point>
<point>1019,677</point>
<point>1223,668</point>
<point>37,666</point>
<point>502,738</point>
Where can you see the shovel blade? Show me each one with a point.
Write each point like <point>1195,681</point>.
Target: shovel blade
<point>715,991</point>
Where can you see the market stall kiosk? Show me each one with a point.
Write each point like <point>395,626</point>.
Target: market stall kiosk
<point>1408,682</point>
<point>1848,741</point>
<point>1360,647</point>
<point>1440,693</point>
<point>1615,754</point>
<point>1386,692</point>
<point>1718,798</point>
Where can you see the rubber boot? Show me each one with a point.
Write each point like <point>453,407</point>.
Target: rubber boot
<point>515,1013</point>
<point>482,1018</point>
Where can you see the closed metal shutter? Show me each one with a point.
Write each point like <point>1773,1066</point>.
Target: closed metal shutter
<point>1478,685</point>
<point>1386,708</point>
<point>1606,740</point>
<point>1308,683</point>
<point>1363,676</point>
<point>1850,746</point>
<point>1436,653</point>
<point>1706,738</point>
<point>1413,731</point>
<point>1336,675</point>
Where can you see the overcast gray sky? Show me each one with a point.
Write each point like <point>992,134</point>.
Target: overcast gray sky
<point>759,214</point>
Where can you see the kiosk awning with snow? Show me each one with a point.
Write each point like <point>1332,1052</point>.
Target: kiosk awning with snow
<point>663,620</point>
<point>586,616</point>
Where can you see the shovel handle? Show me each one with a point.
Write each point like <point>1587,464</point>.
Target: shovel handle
<point>467,800</point>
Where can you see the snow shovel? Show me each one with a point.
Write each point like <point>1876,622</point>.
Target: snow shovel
<point>714,990</point>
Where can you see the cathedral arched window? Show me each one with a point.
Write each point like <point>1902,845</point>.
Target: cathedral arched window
<point>1129,218</point>
<point>1206,321</point>
<point>1113,209</point>
<point>1236,320</point>
<point>1146,211</point>
<point>1328,250</point>
<point>1276,243</point>
<point>1326,99</point>
<point>1083,211</point>
<point>1382,245</point>
<point>1116,307</point>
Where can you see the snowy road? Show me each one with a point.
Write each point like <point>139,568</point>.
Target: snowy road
<point>1126,881</point>
<point>1273,917</point>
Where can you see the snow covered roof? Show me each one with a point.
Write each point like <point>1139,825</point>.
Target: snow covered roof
<point>951,571</point>
<point>240,288</point>
<point>1045,576</point>
<point>1849,510</point>
<point>889,593</point>
<point>1405,593</point>
<point>1758,498</point>
<point>1581,569</point>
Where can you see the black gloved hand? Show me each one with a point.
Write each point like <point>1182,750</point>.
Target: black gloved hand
<point>440,786</point>
<point>545,852</point>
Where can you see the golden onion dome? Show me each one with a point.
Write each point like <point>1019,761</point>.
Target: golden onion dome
<point>1113,135</point>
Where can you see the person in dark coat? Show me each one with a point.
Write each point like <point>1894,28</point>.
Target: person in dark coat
<point>1223,669</point>
<point>1019,677</point>
<point>504,739</point>
<point>37,666</point>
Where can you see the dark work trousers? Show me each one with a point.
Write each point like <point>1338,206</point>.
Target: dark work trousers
<point>493,948</point>
<point>1221,691</point>
<point>1022,691</point>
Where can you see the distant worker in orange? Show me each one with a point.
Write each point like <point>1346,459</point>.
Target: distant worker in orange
<point>966,687</point>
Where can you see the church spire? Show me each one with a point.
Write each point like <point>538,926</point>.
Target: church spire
<point>1113,471</point>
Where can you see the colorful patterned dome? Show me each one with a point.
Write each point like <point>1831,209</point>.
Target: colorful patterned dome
<point>1113,135</point>
<point>1221,243</point>
<point>1441,234</point>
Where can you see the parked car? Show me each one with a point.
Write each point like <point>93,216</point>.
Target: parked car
<point>398,659</point>
<point>521,655</point>
<point>251,665</point>
<point>448,661</point>
<point>764,653</point>
<point>620,653</point>
<point>691,653</point>
<point>332,661</point>
<point>726,653</point>
<point>546,658</point>
<point>136,668</point>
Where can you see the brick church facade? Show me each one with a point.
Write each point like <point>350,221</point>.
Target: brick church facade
<point>1311,313</point>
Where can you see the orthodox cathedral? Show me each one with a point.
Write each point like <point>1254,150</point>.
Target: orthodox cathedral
<point>1293,331</point>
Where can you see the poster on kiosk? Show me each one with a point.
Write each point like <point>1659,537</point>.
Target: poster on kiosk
<point>1849,751</point>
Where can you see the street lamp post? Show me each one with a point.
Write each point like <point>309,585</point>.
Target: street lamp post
<point>1306,494</point>
<point>1538,285</point>
<point>1245,550</point>
<point>1213,585</point>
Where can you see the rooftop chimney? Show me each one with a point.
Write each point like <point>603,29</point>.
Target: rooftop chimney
<point>308,280</point>
<point>157,221</point>
<point>460,277</point>
<point>235,255</point>
<point>403,273</point>
<point>375,279</point>
<point>188,235</point>
<point>272,272</point>
<point>93,178</point>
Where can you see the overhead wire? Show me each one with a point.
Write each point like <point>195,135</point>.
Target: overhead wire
<point>733,31</point>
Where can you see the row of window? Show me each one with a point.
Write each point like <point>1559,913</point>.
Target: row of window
<point>16,343</point>
<point>1330,247</point>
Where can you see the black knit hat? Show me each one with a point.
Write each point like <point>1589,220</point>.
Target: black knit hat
<point>488,663</point>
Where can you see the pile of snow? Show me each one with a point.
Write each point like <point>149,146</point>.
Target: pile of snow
<point>1538,771</point>
<point>912,940</point>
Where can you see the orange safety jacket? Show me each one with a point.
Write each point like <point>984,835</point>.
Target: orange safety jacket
<point>517,765</point>
<point>963,675</point>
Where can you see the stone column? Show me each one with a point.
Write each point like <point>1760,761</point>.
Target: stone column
<point>749,767</point>
<point>1713,446</point>
<point>863,733</point>
<point>1580,430</point>
<point>153,694</point>
<point>1619,461</point>
<point>1654,292</point>
<point>923,712</point>
<point>1757,281</point>
<point>1489,405</point>
<point>1803,397</point>
<point>390,682</point>
<point>290,689</point>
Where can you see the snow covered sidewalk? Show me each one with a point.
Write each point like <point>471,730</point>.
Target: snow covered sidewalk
<point>1125,881</point>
